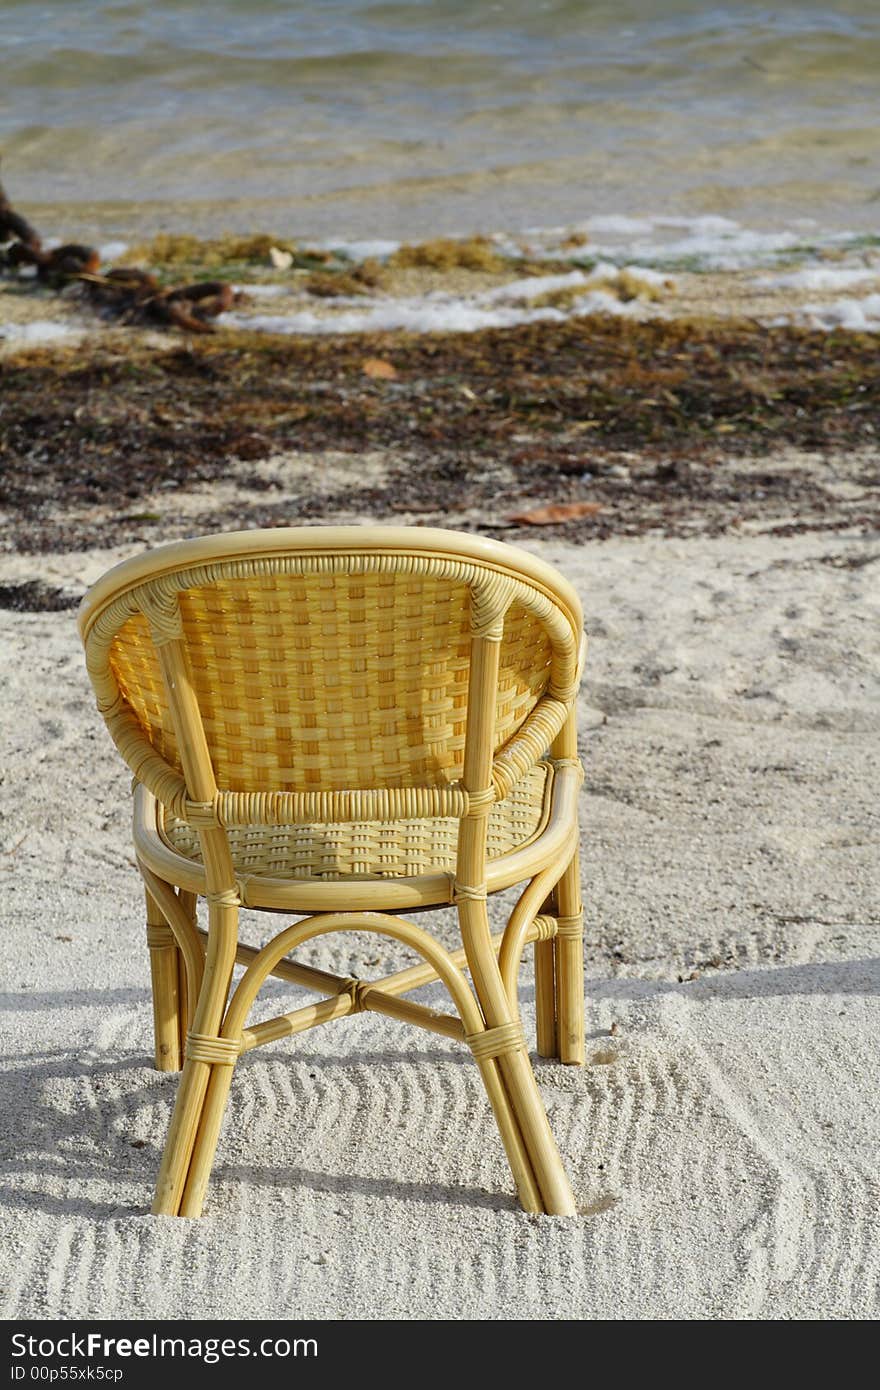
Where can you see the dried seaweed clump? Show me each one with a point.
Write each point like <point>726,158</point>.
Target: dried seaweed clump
<point>172,249</point>
<point>624,286</point>
<point>330,284</point>
<point>628,286</point>
<point>477,253</point>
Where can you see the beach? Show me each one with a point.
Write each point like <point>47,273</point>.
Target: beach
<point>610,294</point>
<point>721,1139</point>
<point>708,482</point>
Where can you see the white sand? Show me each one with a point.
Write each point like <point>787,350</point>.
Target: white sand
<point>723,1142</point>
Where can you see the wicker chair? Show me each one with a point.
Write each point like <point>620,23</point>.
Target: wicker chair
<point>349,723</point>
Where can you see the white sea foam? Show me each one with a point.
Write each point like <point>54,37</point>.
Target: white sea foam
<point>502,306</point>
<point>446,315</point>
<point>859,315</point>
<point>658,278</point>
<point>709,242</point>
<point>533,286</point>
<point>612,225</point>
<point>375,250</point>
<point>603,302</point>
<point>112,250</point>
<point>38,331</point>
<point>603,270</point>
<point>261,291</point>
<point>440,312</point>
<point>713,249</point>
<point>820,278</point>
<point>699,226</point>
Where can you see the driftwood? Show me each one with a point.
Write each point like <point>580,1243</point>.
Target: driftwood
<point>135,296</point>
<point>14,227</point>
<point>60,264</point>
<point>128,293</point>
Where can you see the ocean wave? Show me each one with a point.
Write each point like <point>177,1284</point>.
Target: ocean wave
<point>611,110</point>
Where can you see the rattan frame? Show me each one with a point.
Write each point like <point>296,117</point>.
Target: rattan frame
<point>151,606</point>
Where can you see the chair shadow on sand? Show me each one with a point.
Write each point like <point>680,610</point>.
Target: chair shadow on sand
<point>48,1138</point>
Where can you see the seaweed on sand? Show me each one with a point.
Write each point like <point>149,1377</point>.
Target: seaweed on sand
<point>670,424</point>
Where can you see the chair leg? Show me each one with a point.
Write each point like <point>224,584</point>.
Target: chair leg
<point>166,970</point>
<point>188,999</point>
<point>181,1138</point>
<point>525,1098</point>
<point>545,998</point>
<point>199,1105</point>
<point>569,953</point>
<point>205,1146</point>
<point>527,1189</point>
<point>515,1068</point>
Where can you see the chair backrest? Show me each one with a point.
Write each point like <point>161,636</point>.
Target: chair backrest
<point>324,672</point>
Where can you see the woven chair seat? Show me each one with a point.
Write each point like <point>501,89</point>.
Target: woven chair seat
<point>373,849</point>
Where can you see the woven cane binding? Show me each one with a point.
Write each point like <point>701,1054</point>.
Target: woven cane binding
<point>372,849</point>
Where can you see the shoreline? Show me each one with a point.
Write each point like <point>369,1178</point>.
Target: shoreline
<point>453,205</point>
<point>679,267</point>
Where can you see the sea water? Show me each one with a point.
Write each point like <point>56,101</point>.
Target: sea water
<point>386,120</point>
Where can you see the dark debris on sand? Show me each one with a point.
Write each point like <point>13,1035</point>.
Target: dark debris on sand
<point>33,596</point>
<point>663,425</point>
